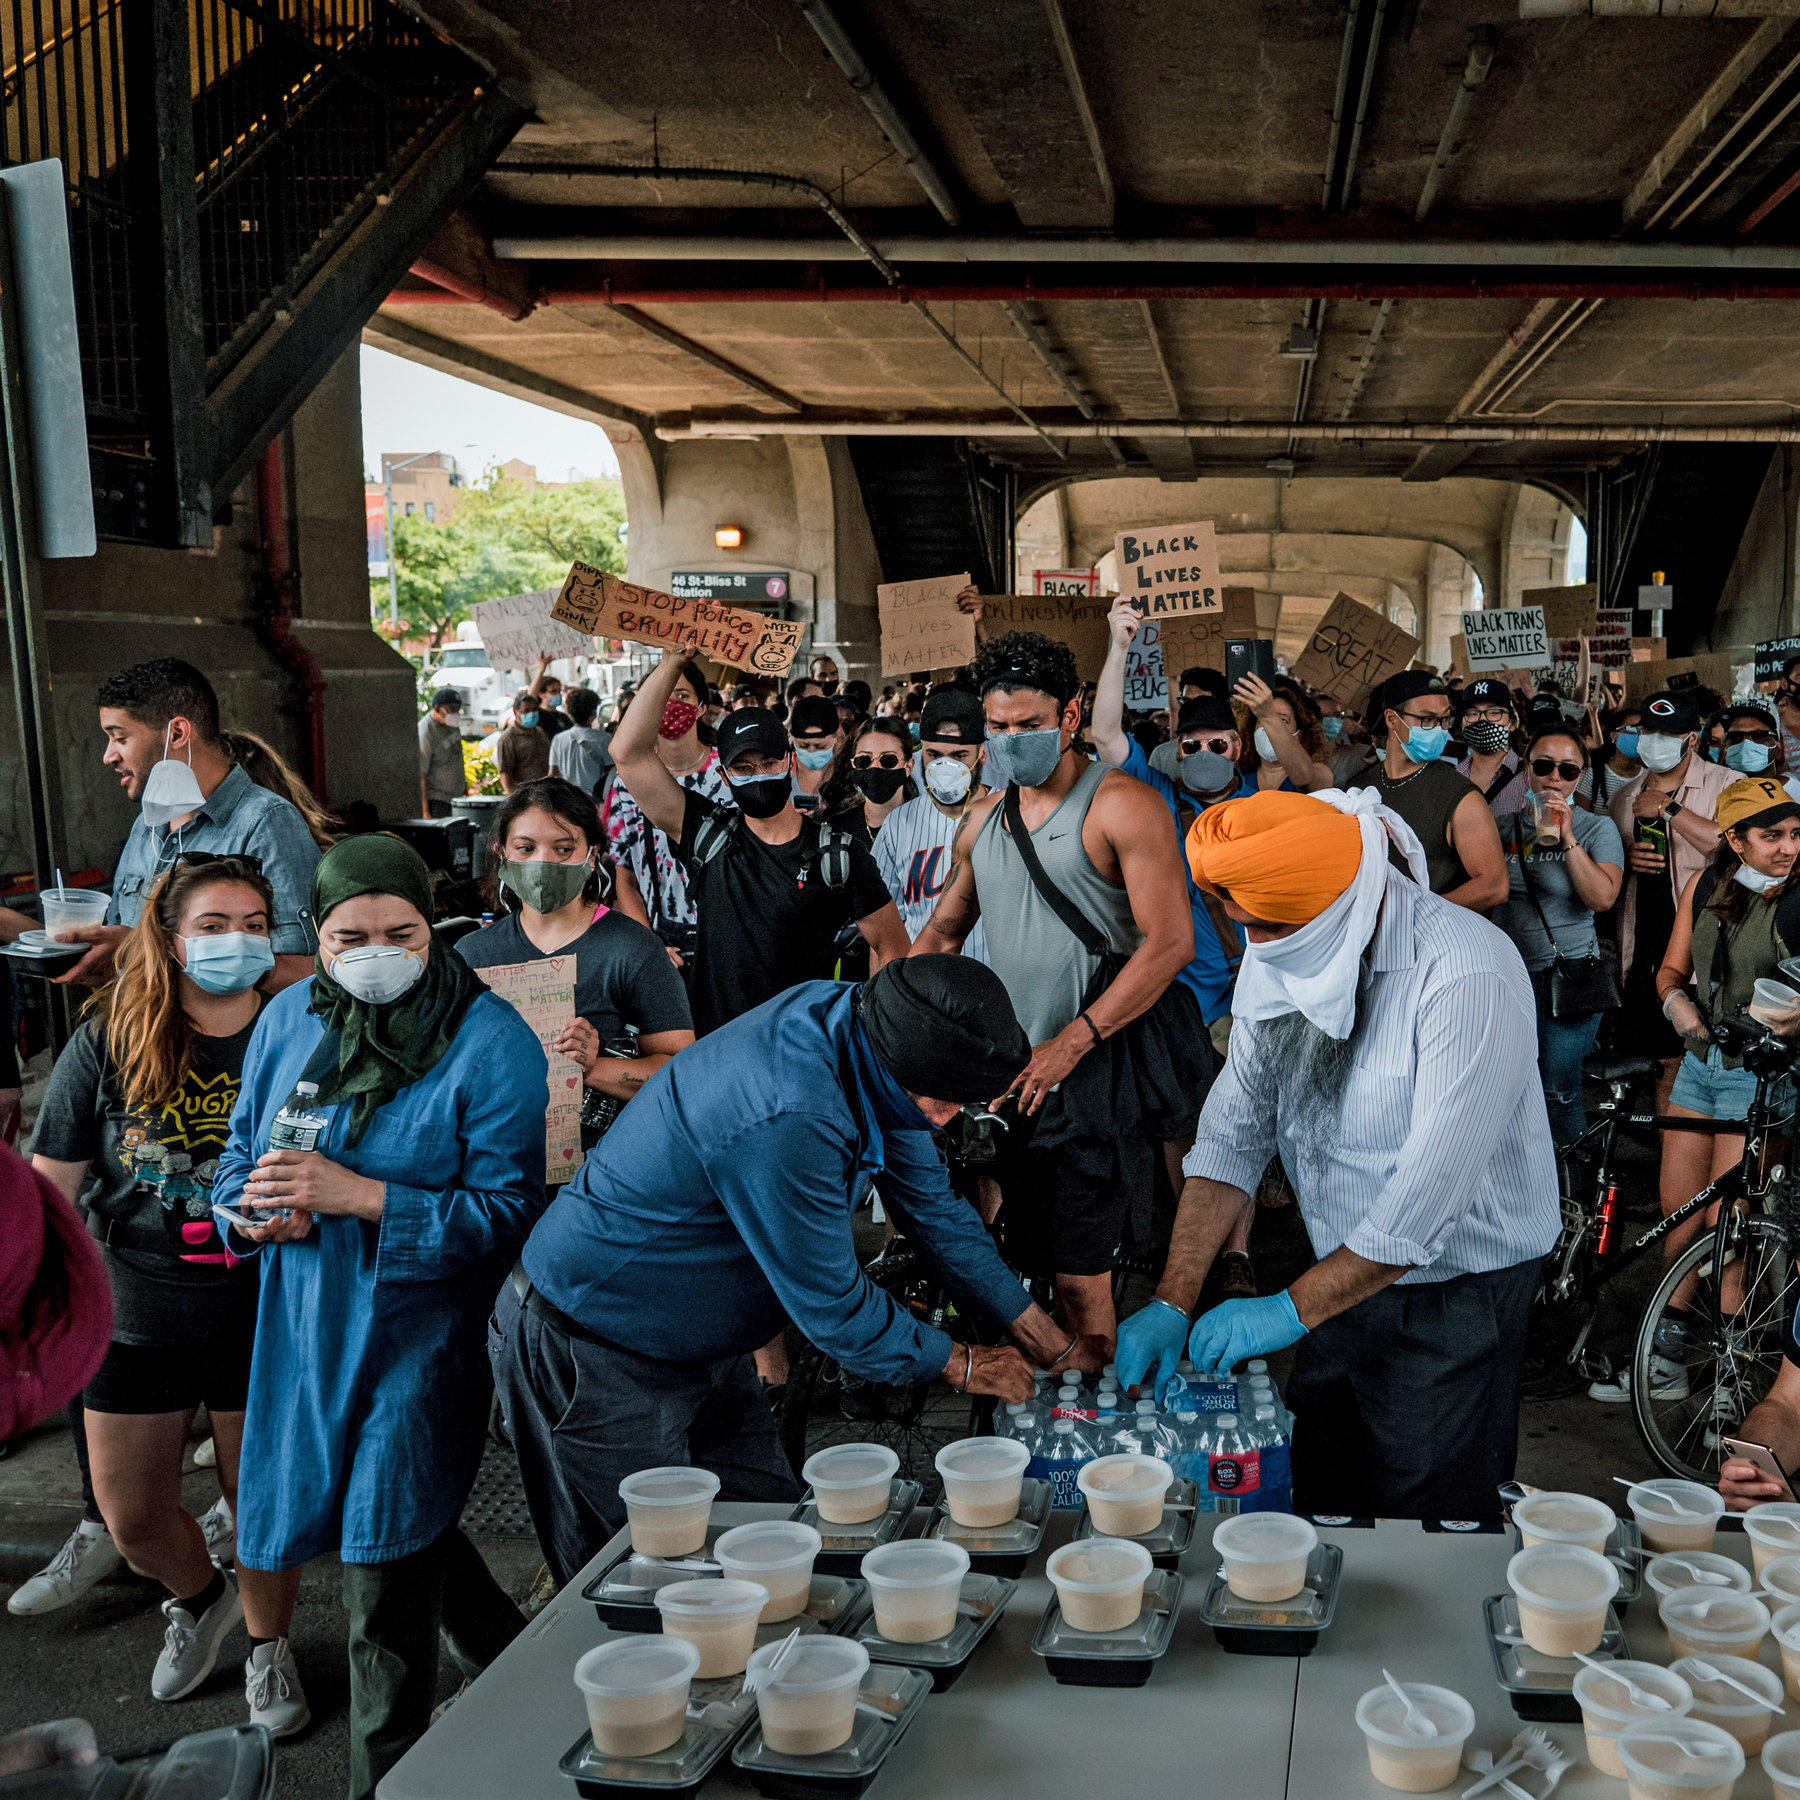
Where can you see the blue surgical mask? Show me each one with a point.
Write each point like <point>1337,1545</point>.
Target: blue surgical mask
<point>814,759</point>
<point>1426,743</point>
<point>1748,758</point>
<point>528,719</point>
<point>227,962</point>
<point>1626,743</point>
<point>1027,757</point>
<point>1333,727</point>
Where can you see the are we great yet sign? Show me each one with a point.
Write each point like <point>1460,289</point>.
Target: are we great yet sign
<point>1170,569</point>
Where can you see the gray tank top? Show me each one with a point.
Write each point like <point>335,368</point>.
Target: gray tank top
<point>1041,961</point>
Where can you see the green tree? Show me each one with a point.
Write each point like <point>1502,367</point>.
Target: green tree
<point>578,522</point>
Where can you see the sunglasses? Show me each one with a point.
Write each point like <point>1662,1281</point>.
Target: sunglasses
<point>1545,765</point>
<point>198,859</point>
<point>1217,745</point>
<point>1750,737</point>
<point>886,759</point>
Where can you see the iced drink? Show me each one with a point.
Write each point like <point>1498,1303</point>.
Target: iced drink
<point>718,1618</point>
<point>810,1706</point>
<point>1708,1622</point>
<point>668,1509</point>
<point>1562,1593</point>
<point>1265,1555</point>
<point>851,1483</point>
<point>1607,1707</point>
<point>778,1553</point>
<point>1547,821</point>
<point>1555,1518</point>
<point>1404,1759</point>
<point>636,1689</point>
<point>983,1479</point>
<point>1703,1764</point>
<point>1125,1493</point>
<point>915,1587</point>
<point>1099,1582</point>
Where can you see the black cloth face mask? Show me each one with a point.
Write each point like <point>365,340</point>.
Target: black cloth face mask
<point>881,785</point>
<point>761,796</point>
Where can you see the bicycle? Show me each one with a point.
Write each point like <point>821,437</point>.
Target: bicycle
<point>1732,1352</point>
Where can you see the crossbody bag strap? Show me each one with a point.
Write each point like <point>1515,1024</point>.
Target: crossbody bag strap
<point>1531,892</point>
<point>1053,897</point>
<point>1500,780</point>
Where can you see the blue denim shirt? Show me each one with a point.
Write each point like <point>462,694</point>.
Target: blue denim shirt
<point>240,818</point>
<point>369,1383</point>
<point>722,1197</point>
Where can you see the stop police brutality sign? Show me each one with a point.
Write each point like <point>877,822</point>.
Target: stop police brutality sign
<point>1169,569</point>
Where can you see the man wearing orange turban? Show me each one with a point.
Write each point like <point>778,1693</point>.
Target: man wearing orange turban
<point>1385,1043</point>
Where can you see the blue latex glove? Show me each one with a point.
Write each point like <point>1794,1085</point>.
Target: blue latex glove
<point>1151,1338</point>
<point>1240,1329</point>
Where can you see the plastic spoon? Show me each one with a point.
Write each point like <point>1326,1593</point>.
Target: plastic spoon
<point>1494,1772</point>
<point>1702,1577</point>
<point>1701,1608</point>
<point>1712,1672</point>
<point>1531,1748</point>
<point>874,1711</point>
<point>1676,1509</point>
<point>1424,1727</point>
<point>1640,1696</point>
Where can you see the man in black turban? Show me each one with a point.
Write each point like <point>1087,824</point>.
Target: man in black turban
<point>720,1204</point>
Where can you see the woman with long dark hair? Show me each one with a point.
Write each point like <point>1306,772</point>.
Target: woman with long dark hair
<point>631,1009</point>
<point>386,1244</point>
<point>137,1114</point>
<point>870,779</point>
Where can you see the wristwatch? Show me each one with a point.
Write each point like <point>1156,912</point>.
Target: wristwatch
<point>1668,812</point>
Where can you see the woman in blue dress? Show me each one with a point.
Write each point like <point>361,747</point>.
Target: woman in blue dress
<point>369,1384</point>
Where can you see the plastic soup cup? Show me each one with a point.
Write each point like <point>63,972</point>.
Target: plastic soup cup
<point>1607,1707</point>
<point>636,1689</point>
<point>915,1586</point>
<point>1265,1555</point>
<point>1785,1628</point>
<point>1555,1518</point>
<point>1401,1759</point>
<point>1710,1622</point>
<point>1719,1703</point>
<point>1780,1577</point>
<point>1774,1532</point>
<point>983,1479</point>
<point>65,909</point>
<point>810,1707</point>
<point>668,1509</point>
<point>718,1618</point>
<point>1685,1569</point>
<point>1684,1518</point>
<point>1563,1592</point>
<point>1771,1001</point>
<point>1125,1493</point>
<point>1703,1763</point>
<point>851,1482</point>
<point>1781,1763</point>
<point>1099,1582</point>
<point>776,1552</point>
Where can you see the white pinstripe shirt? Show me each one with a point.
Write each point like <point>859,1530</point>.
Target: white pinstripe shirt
<point>1440,1157</point>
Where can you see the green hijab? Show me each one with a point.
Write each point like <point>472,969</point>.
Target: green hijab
<point>384,1048</point>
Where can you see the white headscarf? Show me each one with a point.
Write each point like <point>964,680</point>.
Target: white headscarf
<point>1315,969</point>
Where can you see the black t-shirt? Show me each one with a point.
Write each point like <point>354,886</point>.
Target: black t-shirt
<point>151,1176</point>
<point>623,975</point>
<point>767,917</point>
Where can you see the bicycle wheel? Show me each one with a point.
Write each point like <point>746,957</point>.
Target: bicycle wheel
<point>1730,1363</point>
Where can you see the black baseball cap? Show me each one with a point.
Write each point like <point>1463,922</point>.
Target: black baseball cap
<point>1669,715</point>
<point>1206,713</point>
<point>1399,691</point>
<point>447,697</point>
<point>953,716</point>
<point>752,730</point>
<point>812,715</point>
<point>1490,690</point>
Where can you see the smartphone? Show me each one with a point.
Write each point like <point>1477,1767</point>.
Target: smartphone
<point>256,1224</point>
<point>1248,656</point>
<point>1763,1457</point>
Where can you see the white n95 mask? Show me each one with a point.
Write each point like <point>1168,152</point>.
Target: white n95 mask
<point>376,972</point>
<point>170,791</point>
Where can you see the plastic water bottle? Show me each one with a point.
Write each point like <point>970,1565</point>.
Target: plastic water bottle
<point>1070,1403</point>
<point>1275,1484</point>
<point>1194,1460</point>
<point>1058,1458</point>
<point>1016,1422</point>
<point>301,1122</point>
<point>1107,1405</point>
<point>1233,1468</point>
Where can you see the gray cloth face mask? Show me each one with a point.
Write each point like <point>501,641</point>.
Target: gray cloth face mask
<point>1026,757</point>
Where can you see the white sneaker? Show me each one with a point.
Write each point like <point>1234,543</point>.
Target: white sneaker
<point>191,1646</point>
<point>220,1529</point>
<point>206,1454</point>
<point>89,1556</point>
<point>273,1692</point>
<point>1668,1381</point>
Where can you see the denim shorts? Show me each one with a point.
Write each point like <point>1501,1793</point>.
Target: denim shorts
<point>1717,1092</point>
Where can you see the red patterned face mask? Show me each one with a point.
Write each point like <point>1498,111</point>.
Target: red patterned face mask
<point>678,719</point>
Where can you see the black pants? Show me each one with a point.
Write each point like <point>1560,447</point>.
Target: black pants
<point>583,1416</point>
<point>1407,1405</point>
<point>396,1610</point>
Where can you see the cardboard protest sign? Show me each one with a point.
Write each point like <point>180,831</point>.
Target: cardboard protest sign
<point>1569,612</point>
<point>517,630</point>
<point>1771,654</point>
<point>1073,619</point>
<point>1678,673</point>
<point>1609,643</point>
<point>1082,582</point>
<point>1168,569</point>
<point>1506,637</point>
<point>1459,656</point>
<point>1351,651</point>
<point>544,994</point>
<point>594,601</point>
<point>1146,683</point>
<point>921,625</point>
<point>1197,640</point>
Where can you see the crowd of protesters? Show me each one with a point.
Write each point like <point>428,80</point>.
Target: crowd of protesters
<point>1253,942</point>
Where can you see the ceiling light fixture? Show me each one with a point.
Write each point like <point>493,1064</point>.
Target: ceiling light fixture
<point>729,537</point>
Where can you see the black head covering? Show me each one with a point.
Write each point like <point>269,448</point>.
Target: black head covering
<point>943,1027</point>
<point>1208,713</point>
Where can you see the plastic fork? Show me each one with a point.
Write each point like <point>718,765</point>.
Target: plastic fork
<point>1712,1672</point>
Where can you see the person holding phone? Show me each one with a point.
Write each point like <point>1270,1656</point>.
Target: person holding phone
<point>1767,1443</point>
<point>1284,748</point>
